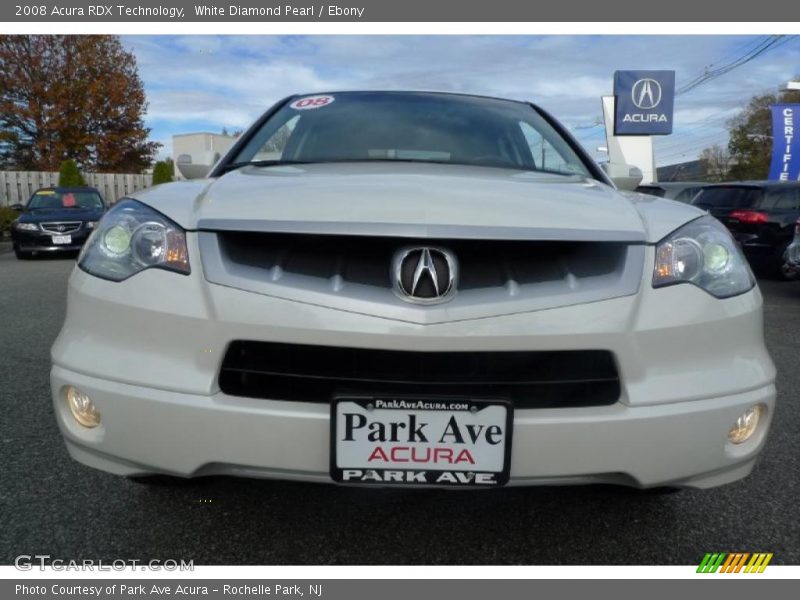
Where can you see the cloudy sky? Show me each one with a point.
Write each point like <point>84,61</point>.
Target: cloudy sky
<point>202,83</point>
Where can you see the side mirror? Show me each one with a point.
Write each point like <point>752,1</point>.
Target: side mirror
<point>191,170</point>
<point>17,207</point>
<point>625,177</point>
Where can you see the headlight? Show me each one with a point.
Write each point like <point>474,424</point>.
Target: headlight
<point>26,226</point>
<point>91,224</point>
<point>133,237</point>
<point>703,253</point>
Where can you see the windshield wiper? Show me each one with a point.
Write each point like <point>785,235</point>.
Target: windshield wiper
<point>261,163</point>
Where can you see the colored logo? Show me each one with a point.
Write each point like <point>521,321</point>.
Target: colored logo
<point>734,562</point>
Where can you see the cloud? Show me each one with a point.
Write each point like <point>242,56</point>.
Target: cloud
<point>227,81</point>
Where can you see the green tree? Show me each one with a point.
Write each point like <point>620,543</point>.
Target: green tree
<point>162,172</point>
<point>71,96</point>
<point>750,143</point>
<point>69,175</point>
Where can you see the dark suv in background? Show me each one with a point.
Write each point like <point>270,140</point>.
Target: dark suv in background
<point>57,219</point>
<point>761,215</point>
<point>681,191</point>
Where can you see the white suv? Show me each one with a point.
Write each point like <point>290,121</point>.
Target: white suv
<point>416,289</point>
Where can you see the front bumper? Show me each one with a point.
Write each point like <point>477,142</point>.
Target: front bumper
<point>41,241</point>
<point>761,251</point>
<point>145,430</point>
<point>148,352</point>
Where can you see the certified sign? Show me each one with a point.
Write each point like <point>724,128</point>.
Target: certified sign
<point>644,102</point>
<point>785,164</point>
<point>421,441</point>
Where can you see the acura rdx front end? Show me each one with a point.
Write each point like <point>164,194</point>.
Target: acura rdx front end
<point>417,289</point>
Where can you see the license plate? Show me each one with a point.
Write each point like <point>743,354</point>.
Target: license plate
<point>421,441</point>
<point>62,239</point>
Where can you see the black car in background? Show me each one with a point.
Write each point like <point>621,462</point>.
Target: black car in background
<point>681,191</point>
<point>57,219</point>
<point>761,215</point>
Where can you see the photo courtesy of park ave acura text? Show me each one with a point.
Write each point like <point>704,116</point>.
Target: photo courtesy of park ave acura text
<point>400,300</point>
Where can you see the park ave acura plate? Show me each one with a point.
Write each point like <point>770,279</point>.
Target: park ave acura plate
<point>421,441</point>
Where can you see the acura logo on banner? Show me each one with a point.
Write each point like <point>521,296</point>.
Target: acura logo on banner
<point>646,94</point>
<point>785,143</point>
<point>643,101</point>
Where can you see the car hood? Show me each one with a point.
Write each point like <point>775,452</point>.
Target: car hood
<point>60,214</point>
<point>417,200</point>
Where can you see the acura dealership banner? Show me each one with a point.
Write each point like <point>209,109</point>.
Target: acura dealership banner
<point>644,102</point>
<point>785,143</point>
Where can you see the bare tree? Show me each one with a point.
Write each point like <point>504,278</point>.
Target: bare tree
<point>718,162</point>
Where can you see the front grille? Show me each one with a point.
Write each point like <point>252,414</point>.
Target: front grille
<point>303,373</point>
<point>365,260</point>
<point>62,227</point>
<point>354,273</point>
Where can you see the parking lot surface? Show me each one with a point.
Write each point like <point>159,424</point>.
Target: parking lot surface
<point>52,505</point>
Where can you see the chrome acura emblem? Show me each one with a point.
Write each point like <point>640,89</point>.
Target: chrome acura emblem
<point>61,228</point>
<point>646,94</point>
<point>424,274</point>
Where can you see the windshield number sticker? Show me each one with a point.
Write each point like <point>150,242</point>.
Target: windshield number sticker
<point>310,102</point>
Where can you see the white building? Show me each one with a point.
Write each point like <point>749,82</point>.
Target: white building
<point>195,153</point>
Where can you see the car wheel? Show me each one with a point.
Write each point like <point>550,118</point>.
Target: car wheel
<point>21,255</point>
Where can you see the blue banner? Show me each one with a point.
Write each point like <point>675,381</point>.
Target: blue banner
<point>785,143</point>
<point>643,102</point>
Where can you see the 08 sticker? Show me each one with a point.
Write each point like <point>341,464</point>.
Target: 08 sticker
<point>310,102</point>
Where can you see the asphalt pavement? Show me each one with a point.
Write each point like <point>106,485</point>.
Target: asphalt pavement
<point>52,505</point>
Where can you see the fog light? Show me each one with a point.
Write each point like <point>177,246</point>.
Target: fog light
<point>745,425</point>
<point>82,408</point>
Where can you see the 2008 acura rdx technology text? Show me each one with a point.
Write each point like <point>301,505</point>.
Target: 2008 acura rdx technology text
<point>400,288</point>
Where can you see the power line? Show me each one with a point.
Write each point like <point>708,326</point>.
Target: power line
<point>708,72</point>
<point>768,43</point>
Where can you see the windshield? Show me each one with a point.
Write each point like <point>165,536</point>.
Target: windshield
<point>727,197</point>
<point>424,127</point>
<point>55,199</point>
